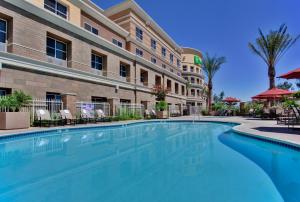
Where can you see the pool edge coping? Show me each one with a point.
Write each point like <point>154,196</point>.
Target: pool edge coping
<point>236,128</point>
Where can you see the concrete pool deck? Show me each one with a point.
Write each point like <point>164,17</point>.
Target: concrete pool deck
<point>267,129</point>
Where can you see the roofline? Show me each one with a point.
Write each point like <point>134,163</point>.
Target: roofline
<point>197,52</point>
<point>97,13</point>
<point>131,4</point>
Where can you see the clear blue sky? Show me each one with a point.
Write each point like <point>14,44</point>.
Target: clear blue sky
<point>225,28</point>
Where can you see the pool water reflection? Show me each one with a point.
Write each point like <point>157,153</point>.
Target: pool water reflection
<point>161,162</point>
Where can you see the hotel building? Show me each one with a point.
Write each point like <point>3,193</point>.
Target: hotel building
<point>75,51</point>
<point>193,74</point>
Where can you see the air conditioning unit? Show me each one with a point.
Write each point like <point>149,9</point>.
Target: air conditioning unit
<point>57,61</point>
<point>3,47</point>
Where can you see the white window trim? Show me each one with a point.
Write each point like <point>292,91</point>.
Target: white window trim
<point>113,39</point>
<point>55,48</point>
<point>67,15</point>
<point>86,23</point>
<point>6,30</point>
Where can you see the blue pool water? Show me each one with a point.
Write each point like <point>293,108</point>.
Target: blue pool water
<point>150,162</point>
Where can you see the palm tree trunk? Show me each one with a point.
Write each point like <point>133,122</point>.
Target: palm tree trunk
<point>210,87</point>
<point>271,74</point>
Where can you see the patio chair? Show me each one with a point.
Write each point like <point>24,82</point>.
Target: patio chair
<point>153,113</point>
<point>147,114</point>
<point>293,120</point>
<point>44,118</point>
<point>67,117</point>
<point>101,115</point>
<point>266,113</point>
<point>88,116</point>
<point>251,112</point>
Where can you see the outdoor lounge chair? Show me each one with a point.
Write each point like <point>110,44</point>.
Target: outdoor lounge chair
<point>44,118</point>
<point>101,115</point>
<point>67,117</point>
<point>147,114</point>
<point>88,116</point>
<point>153,113</point>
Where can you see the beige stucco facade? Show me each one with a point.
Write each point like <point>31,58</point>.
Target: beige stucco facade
<point>27,66</point>
<point>193,73</point>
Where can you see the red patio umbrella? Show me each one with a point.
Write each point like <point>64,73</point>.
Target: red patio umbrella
<point>273,93</point>
<point>294,74</point>
<point>231,100</point>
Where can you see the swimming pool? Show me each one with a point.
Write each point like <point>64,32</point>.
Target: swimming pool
<point>147,162</point>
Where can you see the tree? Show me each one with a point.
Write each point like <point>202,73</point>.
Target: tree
<point>219,98</point>
<point>272,47</point>
<point>285,85</point>
<point>211,65</point>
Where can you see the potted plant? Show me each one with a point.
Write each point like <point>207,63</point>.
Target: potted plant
<point>162,106</point>
<point>10,115</point>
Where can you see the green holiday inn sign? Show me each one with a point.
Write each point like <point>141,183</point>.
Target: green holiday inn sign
<point>197,60</point>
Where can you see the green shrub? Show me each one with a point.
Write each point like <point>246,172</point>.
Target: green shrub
<point>297,94</point>
<point>15,102</point>
<point>161,106</point>
<point>288,104</point>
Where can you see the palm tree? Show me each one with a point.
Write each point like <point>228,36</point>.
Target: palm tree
<point>211,65</point>
<point>272,47</point>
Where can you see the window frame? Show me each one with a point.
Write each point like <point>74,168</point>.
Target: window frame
<point>171,58</point>
<point>164,52</point>
<point>95,55</point>
<point>153,60</point>
<point>91,28</point>
<point>56,40</point>
<point>123,70</point>
<point>153,44</point>
<point>139,52</point>
<point>56,11</point>
<point>6,30</point>
<point>139,33</point>
<point>117,43</point>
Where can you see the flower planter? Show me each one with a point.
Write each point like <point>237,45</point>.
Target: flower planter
<point>162,114</point>
<point>14,120</point>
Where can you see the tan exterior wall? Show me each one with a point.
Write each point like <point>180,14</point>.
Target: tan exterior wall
<point>73,11</point>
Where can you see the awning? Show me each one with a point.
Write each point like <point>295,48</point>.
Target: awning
<point>294,74</point>
<point>273,93</point>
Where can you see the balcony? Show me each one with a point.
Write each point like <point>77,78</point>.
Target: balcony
<point>57,61</point>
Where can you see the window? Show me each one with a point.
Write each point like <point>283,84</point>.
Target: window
<point>176,88</point>
<point>163,52</point>
<point>3,31</point>
<point>184,68</point>
<point>53,96</point>
<point>97,62</point>
<point>192,80</point>
<point>153,44</point>
<point>182,90</point>
<point>56,7</point>
<point>91,29</point>
<point>153,60</point>
<point>139,52</point>
<point>99,99</point>
<point>5,91</point>
<point>192,69</point>
<point>56,49</point>
<point>139,34</point>
<point>124,101</point>
<point>169,85</point>
<point>117,43</point>
<point>178,63</point>
<point>144,77</point>
<point>164,66</point>
<point>123,72</point>
<point>171,58</point>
